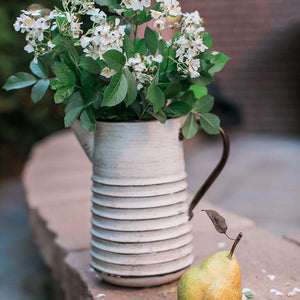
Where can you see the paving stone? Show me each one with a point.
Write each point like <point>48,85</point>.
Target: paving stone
<point>258,250</point>
<point>57,182</point>
<point>295,238</point>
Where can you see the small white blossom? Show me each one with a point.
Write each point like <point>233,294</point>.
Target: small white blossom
<point>156,14</point>
<point>106,36</point>
<point>143,68</point>
<point>97,16</point>
<point>51,45</point>
<point>160,24</point>
<point>30,47</point>
<point>107,72</point>
<point>85,41</point>
<point>158,59</point>
<point>170,7</point>
<point>75,29</point>
<point>136,4</point>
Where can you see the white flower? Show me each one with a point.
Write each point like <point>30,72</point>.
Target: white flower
<point>85,41</point>
<point>107,72</point>
<point>30,47</point>
<point>158,59</point>
<point>51,45</point>
<point>119,11</point>
<point>194,65</point>
<point>34,13</point>
<point>160,24</point>
<point>136,4</point>
<point>74,25</point>
<point>170,7</point>
<point>106,36</point>
<point>156,14</point>
<point>97,16</point>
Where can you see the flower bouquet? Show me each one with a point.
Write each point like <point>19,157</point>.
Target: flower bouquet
<point>129,60</point>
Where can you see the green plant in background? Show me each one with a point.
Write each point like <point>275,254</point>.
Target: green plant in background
<point>21,122</point>
<point>101,69</point>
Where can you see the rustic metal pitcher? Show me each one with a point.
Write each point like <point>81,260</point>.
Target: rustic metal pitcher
<point>141,230</point>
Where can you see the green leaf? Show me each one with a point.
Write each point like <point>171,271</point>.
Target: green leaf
<point>89,90</point>
<point>39,68</point>
<point>128,46</point>
<point>65,44</point>
<point>210,123</point>
<point>162,47</point>
<point>207,39</point>
<point>132,88</point>
<point>156,96</point>
<point>219,61</point>
<point>55,84</point>
<point>199,91</point>
<point>190,127</point>
<point>90,65</point>
<point>152,40</point>
<point>39,90</point>
<point>204,105</point>
<point>19,81</point>
<point>73,109</point>
<point>141,47</point>
<point>87,120</point>
<point>204,80</point>
<point>173,90</point>
<point>63,93</point>
<point>64,74</point>
<point>178,109</point>
<point>106,2</point>
<point>189,98</point>
<point>160,116</point>
<point>117,90</point>
<point>114,59</point>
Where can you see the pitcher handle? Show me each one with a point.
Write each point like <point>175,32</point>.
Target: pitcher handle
<point>213,176</point>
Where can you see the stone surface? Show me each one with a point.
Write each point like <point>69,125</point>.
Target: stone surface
<point>260,181</point>
<point>295,238</point>
<point>59,213</point>
<point>258,250</point>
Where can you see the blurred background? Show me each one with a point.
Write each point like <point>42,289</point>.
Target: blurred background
<point>257,95</point>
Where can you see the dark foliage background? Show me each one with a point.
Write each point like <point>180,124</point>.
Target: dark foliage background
<point>21,122</point>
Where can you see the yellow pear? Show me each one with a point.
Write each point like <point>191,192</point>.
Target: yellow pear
<point>218,278</point>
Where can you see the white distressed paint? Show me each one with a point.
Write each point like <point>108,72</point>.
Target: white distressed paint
<point>141,235</point>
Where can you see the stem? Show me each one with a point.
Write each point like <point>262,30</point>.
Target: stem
<point>239,237</point>
<point>229,237</point>
<point>135,31</point>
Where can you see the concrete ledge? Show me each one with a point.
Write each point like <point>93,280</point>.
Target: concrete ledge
<point>57,183</point>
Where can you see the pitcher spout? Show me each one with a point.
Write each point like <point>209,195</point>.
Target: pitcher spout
<point>85,138</point>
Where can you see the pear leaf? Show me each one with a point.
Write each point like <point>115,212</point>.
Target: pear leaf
<point>218,221</point>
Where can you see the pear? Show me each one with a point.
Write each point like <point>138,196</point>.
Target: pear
<point>218,278</point>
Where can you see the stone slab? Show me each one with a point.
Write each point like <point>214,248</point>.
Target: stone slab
<point>57,183</point>
<point>294,238</point>
<point>258,250</point>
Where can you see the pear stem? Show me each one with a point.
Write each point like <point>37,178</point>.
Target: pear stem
<point>237,240</point>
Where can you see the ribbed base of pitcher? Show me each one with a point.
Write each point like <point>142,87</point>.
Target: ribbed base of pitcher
<point>142,282</point>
